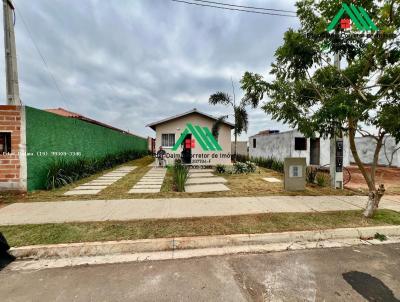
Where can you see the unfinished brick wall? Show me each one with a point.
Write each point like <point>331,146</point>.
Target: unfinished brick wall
<point>11,172</point>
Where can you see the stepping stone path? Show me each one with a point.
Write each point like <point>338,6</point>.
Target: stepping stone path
<point>272,179</point>
<point>151,182</point>
<point>95,186</point>
<point>203,180</point>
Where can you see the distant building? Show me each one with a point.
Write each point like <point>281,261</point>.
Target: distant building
<point>241,148</point>
<point>272,143</point>
<point>188,137</point>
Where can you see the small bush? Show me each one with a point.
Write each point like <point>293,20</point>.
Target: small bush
<point>322,179</point>
<point>180,175</point>
<point>269,163</point>
<point>220,169</point>
<point>251,167</point>
<point>239,168</point>
<point>311,174</point>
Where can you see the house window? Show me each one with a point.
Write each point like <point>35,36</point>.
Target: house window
<point>254,143</point>
<point>300,143</point>
<point>5,142</point>
<point>168,140</point>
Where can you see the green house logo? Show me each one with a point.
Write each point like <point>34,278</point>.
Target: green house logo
<point>357,14</point>
<point>202,135</point>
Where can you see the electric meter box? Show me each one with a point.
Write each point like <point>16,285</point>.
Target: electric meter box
<point>295,173</point>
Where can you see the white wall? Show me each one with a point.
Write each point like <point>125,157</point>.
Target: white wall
<point>366,148</point>
<point>281,145</point>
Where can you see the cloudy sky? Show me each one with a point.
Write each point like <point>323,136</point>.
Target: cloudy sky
<point>131,62</point>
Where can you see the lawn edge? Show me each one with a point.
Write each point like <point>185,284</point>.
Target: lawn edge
<point>107,248</point>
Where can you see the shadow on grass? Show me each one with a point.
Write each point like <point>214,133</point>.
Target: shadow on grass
<point>371,288</point>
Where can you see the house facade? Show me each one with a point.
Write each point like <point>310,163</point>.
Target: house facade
<point>188,137</point>
<point>279,145</point>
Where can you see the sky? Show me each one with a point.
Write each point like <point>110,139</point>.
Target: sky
<point>128,63</point>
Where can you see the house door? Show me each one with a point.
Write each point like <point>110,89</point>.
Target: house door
<point>314,151</point>
<point>186,154</point>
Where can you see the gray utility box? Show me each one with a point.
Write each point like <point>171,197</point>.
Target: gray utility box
<point>295,173</point>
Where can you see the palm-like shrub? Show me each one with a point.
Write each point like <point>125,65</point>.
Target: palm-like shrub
<point>180,175</point>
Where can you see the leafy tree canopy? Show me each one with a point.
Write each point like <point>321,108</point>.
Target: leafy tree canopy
<point>310,93</point>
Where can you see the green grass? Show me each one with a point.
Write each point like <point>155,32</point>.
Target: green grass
<point>21,235</point>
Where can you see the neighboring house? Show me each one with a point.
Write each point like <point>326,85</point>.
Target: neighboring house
<point>32,139</point>
<point>187,136</point>
<point>241,148</point>
<point>389,154</point>
<point>279,145</point>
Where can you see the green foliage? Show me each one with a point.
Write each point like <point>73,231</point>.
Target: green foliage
<point>180,175</point>
<point>217,125</point>
<point>269,163</point>
<point>322,179</point>
<point>62,172</point>
<point>311,174</point>
<point>381,237</point>
<point>220,168</point>
<point>309,93</point>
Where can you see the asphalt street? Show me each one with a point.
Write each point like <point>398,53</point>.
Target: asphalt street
<point>358,273</point>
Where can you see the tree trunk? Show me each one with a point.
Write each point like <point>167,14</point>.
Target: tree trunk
<point>235,146</point>
<point>374,195</point>
<point>373,201</point>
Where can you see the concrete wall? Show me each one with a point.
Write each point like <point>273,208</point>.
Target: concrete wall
<point>282,145</point>
<point>241,148</point>
<point>366,148</point>
<point>13,165</point>
<point>178,125</point>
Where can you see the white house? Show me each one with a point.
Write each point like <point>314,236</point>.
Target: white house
<point>187,136</point>
<point>272,143</point>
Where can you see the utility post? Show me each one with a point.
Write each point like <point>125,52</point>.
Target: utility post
<point>336,152</point>
<point>12,85</point>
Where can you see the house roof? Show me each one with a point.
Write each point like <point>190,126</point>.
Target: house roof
<point>194,110</point>
<point>70,114</point>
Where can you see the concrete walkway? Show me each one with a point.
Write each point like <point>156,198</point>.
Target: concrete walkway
<point>95,186</point>
<point>131,209</point>
<point>204,180</point>
<point>151,182</point>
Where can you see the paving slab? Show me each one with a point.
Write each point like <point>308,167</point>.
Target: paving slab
<point>147,186</point>
<point>89,187</point>
<point>196,175</point>
<point>206,180</point>
<point>109,178</point>
<point>206,188</point>
<point>201,170</point>
<point>82,192</point>
<point>101,182</point>
<point>114,175</point>
<point>159,183</point>
<point>144,190</point>
<point>272,179</point>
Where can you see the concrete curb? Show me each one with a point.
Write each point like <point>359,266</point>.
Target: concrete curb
<point>192,243</point>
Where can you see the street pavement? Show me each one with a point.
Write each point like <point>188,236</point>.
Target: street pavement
<point>359,273</point>
<point>131,209</point>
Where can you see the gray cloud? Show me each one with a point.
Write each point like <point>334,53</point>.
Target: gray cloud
<point>128,63</point>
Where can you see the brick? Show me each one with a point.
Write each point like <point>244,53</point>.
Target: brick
<point>7,128</point>
<point>10,118</point>
<point>6,167</point>
<point>4,161</point>
<point>9,107</point>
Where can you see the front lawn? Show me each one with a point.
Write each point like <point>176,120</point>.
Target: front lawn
<point>251,184</point>
<point>21,235</point>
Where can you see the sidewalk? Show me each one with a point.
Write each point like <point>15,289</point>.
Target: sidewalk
<point>133,209</point>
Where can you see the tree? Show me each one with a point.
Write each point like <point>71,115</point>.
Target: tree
<point>239,112</point>
<point>309,93</point>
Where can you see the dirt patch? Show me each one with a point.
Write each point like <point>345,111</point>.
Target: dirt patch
<point>390,177</point>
